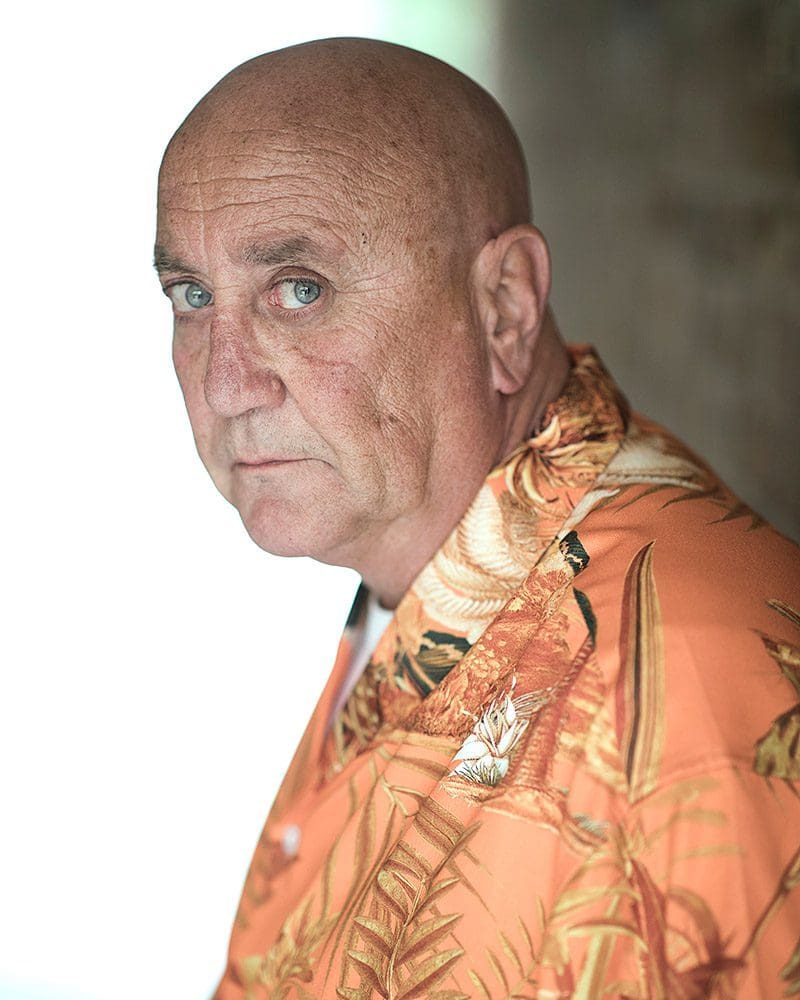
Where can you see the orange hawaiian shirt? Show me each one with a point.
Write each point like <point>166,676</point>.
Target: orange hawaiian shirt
<point>571,767</point>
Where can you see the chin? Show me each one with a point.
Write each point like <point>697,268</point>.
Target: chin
<point>283,530</point>
<point>276,544</point>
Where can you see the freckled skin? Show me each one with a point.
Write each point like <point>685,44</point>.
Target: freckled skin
<point>382,387</point>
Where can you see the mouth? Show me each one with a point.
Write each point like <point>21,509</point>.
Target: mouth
<point>267,463</point>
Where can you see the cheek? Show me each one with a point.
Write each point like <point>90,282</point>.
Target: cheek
<point>337,386</point>
<point>189,360</point>
<point>362,402</point>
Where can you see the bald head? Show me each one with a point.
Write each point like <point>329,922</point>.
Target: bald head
<point>361,325</point>
<point>421,142</point>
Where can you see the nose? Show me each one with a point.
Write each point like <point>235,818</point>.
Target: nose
<point>238,377</point>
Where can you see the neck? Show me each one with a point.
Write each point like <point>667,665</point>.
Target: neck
<point>390,563</point>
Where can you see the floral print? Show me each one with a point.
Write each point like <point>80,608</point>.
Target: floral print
<point>572,765</point>
<point>484,755</point>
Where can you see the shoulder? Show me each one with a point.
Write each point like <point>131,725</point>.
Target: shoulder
<point>715,560</point>
<point>697,602</point>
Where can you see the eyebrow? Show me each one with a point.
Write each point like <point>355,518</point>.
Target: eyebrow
<point>287,251</point>
<point>163,261</point>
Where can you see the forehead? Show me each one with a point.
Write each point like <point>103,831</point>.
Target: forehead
<point>241,184</point>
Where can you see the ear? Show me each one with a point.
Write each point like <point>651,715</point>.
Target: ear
<point>510,285</point>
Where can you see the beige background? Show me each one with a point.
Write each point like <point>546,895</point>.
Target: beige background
<point>663,142</point>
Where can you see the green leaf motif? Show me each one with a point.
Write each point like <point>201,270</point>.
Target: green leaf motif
<point>641,682</point>
<point>479,983</point>
<point>791,972</point>
<point>428,974</point>
<point>376,934</point>
<point>778,751</point>
<point>392,893</point>
<point>512,953</point>
<point>438,890</point>
<point>370,968</point>
<point>590,928</point>
<point>426,936</point>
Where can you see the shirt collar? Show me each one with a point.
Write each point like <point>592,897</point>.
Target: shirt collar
<point>517,512</point>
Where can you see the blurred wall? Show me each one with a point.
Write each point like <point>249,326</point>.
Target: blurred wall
<point>663,141</point>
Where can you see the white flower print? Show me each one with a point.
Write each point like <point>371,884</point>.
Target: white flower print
<point>485,753</point>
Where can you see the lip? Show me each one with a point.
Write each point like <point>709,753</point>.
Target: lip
<point>265,463</point>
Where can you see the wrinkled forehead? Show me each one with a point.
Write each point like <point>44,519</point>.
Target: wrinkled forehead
<point>243,176</point>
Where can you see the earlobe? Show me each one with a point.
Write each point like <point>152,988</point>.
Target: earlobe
<point>513,273</point>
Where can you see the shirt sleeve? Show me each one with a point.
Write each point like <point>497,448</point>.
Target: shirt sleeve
<point>695,892</point>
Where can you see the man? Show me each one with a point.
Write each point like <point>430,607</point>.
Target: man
<point>558,752</point>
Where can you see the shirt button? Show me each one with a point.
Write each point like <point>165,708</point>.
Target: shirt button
<point>290,841</point>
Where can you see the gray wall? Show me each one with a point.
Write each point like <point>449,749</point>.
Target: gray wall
<point>663,140</point>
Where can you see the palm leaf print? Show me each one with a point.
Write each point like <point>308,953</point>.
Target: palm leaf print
<point>400,955</point>
<point>786,610</point>
<point>778,750</point>
<point>791,973</point>
<point>640,688</point>
<point>790,880</point>
<point>614,900</point>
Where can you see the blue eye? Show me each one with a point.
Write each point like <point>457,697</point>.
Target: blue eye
<point>306,291</point>
<point>294,293</point>
<point>188,295</point>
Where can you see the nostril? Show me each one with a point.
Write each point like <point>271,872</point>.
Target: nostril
<point>234,384</point>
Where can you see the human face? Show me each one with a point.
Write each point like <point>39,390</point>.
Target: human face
<point>322,340</point>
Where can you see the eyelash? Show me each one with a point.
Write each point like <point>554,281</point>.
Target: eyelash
<point>296,315</point>
<point>183,281</point>
<point>293,315</point>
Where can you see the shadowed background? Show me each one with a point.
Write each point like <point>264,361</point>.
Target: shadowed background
<point>158,668</point>
<point>664,148</point>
